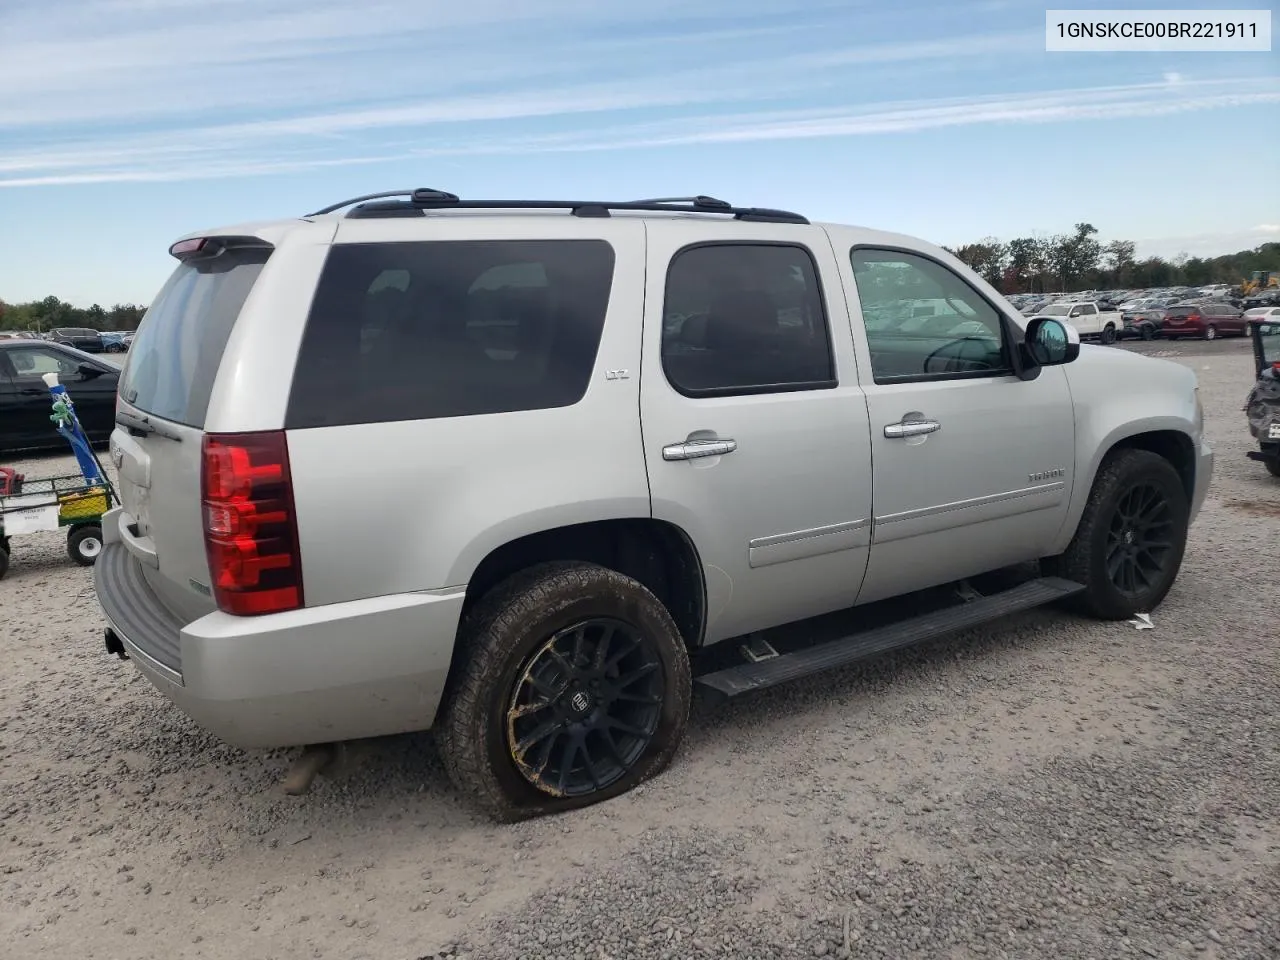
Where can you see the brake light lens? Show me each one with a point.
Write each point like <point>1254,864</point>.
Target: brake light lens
<point>187,248</point>
<point>250,528</point>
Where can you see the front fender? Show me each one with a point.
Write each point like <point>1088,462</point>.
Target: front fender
<point>1119,398</point>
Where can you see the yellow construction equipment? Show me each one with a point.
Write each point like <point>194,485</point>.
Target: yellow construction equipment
<point>1260,280</point>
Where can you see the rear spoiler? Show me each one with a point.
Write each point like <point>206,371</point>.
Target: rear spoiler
<point>206,248</point>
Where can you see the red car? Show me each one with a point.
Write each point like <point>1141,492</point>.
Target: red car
<point>1204,320</point>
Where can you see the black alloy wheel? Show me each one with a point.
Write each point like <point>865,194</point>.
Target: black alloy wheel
<point>585,708</point>
<point>1139,540</point>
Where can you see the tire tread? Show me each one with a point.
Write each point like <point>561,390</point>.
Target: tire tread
<point>1077,562</point>
<point>486,637</point>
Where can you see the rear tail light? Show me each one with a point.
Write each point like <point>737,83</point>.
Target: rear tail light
<point>250,530</point>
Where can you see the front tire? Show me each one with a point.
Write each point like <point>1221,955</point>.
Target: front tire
<point>1128,547</point>
<point>1211,333</point>
<point>575,688</point>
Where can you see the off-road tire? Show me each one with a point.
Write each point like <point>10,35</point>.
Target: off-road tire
<point>1084,560</point>
<point>497,638</point>
<point>81,542</point>
<point>1108,336</point>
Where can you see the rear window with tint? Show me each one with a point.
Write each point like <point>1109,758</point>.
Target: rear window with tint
<point>179,344</point>
<point>421,330</point>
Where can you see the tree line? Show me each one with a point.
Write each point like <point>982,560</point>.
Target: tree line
<point>1080,261</point>
<point>44,315</point>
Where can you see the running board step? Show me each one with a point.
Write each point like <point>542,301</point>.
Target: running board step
<point>747,677</point>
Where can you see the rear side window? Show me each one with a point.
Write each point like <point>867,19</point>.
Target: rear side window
<point>745,318</point>
<point>179,344</point>
<point>1180,312</point>
<point>422,330</point>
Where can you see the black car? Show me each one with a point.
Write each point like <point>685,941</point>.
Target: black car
<point>25,404</point>
<point>1262,298</point>
<point>82,338</point>
<point>1146,324</point>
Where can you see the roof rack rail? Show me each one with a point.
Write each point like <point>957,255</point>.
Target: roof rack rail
<point>408,203</point>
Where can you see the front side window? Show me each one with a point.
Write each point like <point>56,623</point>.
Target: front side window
<point>744,318</point>
<point>428,329</point>
<point>923,321</point>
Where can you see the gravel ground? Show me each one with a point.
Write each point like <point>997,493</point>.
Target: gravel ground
<point>1050,788</point>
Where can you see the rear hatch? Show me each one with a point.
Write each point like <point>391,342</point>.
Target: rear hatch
<point>164,393</point>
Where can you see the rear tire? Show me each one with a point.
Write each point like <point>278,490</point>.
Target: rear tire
<point>1108,335</point>
<point>1148,333</point>
<point>4,562</point>
<point>1273,468</point>
<point>1128,547</point>
<point>540,717</point>
<point>84,544</point>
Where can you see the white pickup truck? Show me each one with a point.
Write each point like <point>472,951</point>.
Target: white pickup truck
<point>1087,317</point>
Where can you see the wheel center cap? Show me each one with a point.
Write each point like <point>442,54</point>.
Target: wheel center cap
<point>580,703</point>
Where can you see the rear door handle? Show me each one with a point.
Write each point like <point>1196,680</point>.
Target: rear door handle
<point>697,449</point>
<point>911,428</point>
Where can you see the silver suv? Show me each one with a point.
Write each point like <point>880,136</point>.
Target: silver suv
<point>525,473</point>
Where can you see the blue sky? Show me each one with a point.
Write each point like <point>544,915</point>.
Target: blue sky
<point>124,123</point>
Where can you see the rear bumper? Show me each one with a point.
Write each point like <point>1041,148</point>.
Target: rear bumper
<point>337,672</point>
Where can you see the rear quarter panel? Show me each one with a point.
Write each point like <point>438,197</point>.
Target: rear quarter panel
<point>416,505</point>
<point>1116,395</point>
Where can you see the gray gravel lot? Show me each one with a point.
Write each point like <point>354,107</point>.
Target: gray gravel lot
<point>1050,788</point>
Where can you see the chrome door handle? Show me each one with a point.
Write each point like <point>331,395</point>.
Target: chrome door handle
<point>697,449</point>
<point>911,428</point>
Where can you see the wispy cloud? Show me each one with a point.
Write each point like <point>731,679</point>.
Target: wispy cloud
<point>447,129</point>
<point>102,91</point>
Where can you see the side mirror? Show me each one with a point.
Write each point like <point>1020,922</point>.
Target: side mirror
<point>1050,342</point>
<point>88,371</point>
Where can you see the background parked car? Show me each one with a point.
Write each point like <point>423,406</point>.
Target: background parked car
<point>82,338</point>
<point>25,404</point>
<point>1263,298</point>
<point>117,341</point>
<point>1146,323</point>
<point>1261,315</point>
<point>1207,319</point>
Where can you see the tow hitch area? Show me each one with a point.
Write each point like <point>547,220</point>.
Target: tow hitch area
<point>113,644</point>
